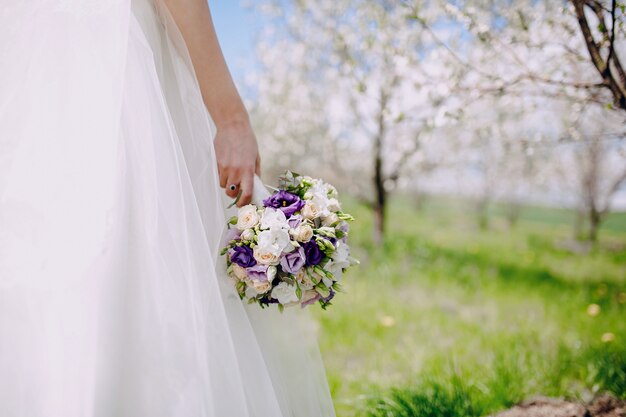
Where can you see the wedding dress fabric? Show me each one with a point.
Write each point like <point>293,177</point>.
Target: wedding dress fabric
<point>113,300</point>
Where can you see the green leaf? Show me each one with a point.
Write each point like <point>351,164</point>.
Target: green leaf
<point>298,291</point>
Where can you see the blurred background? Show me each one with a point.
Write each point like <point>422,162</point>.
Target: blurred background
<point>481,145</point>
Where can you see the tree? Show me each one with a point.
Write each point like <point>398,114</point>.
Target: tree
<point>372,83</point>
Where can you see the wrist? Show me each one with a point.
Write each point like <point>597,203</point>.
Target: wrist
<point>230,117</point>
<point>234,123</point>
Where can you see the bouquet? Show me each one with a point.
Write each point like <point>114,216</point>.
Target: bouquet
<point>289,248</point>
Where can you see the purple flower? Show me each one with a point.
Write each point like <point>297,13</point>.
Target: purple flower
<point>293,261</point>
<point>257,272</point>
<point>285,201</point>
<point>330,296</point>
<point>230,234</point>
<point>242,256</point>
<point>313,253</point>
<point>294,221</point>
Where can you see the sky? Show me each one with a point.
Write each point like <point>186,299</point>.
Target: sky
<point>235,26</point>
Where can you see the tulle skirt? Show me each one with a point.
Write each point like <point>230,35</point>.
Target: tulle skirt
<point>113,300</point>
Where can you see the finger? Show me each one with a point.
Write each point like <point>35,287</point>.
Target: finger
<point>247,182</point>
<point>223,175</point>
<point>233,179</point>
<point>257,165</point>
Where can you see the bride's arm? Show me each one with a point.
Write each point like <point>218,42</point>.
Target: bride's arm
<point>235,144</point>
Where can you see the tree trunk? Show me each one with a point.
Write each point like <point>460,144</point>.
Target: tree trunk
<point>594,224</point>
<point>380,201</point>
<point>513,212</point>
<point>579,224</point>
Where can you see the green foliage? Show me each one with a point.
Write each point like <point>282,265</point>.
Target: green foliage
<point>449,319</point>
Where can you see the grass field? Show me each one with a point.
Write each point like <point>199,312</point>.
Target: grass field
<point>448,320</point>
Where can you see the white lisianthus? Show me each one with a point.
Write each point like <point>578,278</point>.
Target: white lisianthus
<point>320,190</point>
<point>285,293</point>
<point>333,204</point>
<point>247,217</point>
<point>334,268</point>
<point>275,241</point>
<point>273,219</point>
<point>247,235</point>
<point>239,272</point>
<point>265,257</point>
<point>302,233</point>
<point>261,287</point>
<point>341,256</point>
<point>330,219</point>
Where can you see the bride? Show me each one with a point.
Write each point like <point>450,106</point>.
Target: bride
<point>113,183</point>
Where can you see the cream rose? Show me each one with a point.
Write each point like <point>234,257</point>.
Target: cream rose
<point>304,280</point>
<point>308,296</point>
<point>330,219</point>
<point>302,233</point>
<point>261,287</point>
<point>310,210</point>
<point>239,272</point>
<point>265,257</point>
<point>247,217</point>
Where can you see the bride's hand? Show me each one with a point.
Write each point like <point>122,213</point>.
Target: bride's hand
<point>238,160</point>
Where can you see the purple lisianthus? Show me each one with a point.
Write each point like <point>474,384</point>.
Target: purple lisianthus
<point>284,201</point>
<point>293,261</point>
<point>330,296</point>
<point>242,256</point>
<point>294,221</point>
<point>313,253</point>
<point>257,272</point>
<point>230,234</point>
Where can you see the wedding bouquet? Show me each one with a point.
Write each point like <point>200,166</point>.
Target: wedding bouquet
<point>289,248</point>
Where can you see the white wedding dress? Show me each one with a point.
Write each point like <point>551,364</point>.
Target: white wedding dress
<point>113,300</point>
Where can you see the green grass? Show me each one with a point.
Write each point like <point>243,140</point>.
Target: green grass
<point>449,320</point>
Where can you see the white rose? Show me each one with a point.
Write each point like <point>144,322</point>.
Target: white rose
<point>247,235</point>
<point>285,293</point>
<point>261,287</point>
<point>239,272</point>
<point>330,219</point>
<point>333,205</point>
<point>273,219</point>
<point>302,233</point>
<point>310,210</point>
<point>265,257</point>
<point>247,217</point>
<point>275,241</point>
